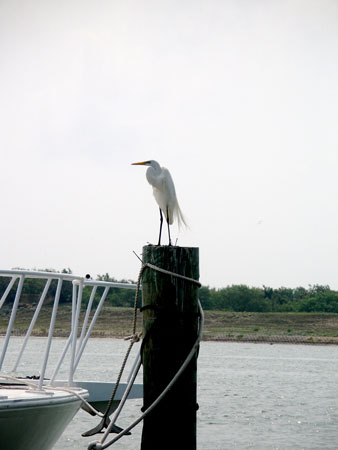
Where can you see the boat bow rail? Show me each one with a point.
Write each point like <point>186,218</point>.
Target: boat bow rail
<point>79,333</point>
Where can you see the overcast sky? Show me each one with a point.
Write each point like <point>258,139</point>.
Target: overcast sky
<point>237,98</point>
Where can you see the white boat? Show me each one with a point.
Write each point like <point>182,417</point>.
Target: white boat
<point>35,412</point>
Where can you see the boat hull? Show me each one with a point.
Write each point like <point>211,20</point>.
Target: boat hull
<point>36,423</point>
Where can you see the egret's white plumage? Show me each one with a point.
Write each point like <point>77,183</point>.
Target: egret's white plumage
<point>164,193</point>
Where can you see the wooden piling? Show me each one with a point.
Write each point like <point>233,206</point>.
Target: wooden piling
<point>170,327</point>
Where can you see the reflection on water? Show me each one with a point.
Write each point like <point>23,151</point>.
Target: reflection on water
<point>251,396</point>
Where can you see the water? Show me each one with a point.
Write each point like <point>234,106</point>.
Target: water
<point>260,396</point>
<point>251,396</point>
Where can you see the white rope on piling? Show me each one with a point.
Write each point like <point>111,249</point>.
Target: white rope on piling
<point>99,445</point>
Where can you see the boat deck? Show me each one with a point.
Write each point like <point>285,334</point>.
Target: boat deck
<point>20,396</point>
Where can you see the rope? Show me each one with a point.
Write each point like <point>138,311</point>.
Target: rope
<point>135,337</point>
<point>100,445</point>
<point>167,272</point>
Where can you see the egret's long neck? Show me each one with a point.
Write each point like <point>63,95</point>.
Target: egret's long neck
<point>153,172</point>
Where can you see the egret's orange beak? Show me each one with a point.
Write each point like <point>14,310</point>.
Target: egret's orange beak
<point>139,163</point>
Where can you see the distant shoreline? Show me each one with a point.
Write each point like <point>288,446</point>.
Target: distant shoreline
<point>254,339</point>
<point>220,326</point>
<point>294,340</point>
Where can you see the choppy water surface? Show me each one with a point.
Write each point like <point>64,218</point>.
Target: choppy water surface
<point>264,396</point>
<point>251,396</point>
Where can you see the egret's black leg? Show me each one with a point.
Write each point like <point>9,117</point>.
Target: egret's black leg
<point>168,226</point>
<point>161,222</point>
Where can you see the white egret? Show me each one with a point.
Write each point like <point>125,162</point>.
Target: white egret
<point>164,193</point>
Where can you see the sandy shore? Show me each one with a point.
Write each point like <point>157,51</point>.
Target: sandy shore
<point>224,326</point>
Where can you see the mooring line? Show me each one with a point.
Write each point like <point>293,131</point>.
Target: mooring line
<point>135,337</point>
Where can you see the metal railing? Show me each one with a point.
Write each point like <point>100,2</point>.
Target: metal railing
<point>75,344</point>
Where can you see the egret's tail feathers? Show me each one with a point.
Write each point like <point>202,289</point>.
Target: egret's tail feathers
<point>180,218</point>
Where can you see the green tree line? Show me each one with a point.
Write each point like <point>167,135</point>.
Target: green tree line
<point>33,288</point>
<point>240,298</point>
